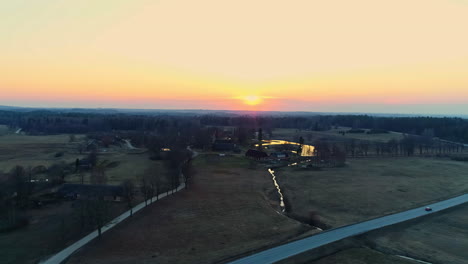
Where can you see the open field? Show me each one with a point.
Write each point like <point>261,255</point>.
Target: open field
<point>4,130</point>
<point>362,256</point>
<point>34,150</point>
<point>439,238</point>
<point>332,134</point>
<point>225,212</point>
<point>368,188</point>
<point>128,166</point>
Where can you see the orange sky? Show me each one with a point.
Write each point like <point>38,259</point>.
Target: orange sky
<point>362,55</point>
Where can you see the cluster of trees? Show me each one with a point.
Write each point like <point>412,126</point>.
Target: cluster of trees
<point>409,145</point>
<point>328,154</point>
<point>15,195</point>
<point>453,129</point>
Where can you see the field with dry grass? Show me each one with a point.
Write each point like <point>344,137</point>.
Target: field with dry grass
<point>4,130</point>
<point>438,238</point>
<point>372,187</point>
<point>26,150</point>
<point>332,135</point>
<point>33,151</point>
<point>225,212</point>
<point>126,166</point>
<point>362,256</point>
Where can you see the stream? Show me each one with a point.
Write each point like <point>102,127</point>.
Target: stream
<point>307,151</point>
<point>283,207</point>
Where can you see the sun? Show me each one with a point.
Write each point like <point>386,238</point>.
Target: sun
<point>252,100</point>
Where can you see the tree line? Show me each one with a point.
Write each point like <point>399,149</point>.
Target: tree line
<point>43,122</point>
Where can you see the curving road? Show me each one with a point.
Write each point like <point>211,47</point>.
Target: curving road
<point>293,248</point>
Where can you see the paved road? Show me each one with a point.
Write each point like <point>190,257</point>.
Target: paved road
<point>293,248</point>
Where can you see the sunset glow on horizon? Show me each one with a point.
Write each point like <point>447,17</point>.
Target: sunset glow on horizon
<point>336,56</point>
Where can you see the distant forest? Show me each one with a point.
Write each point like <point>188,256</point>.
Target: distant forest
<point>50,122</point>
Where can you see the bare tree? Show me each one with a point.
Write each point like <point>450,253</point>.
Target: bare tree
<point>129,192</point>
<point>18,179</point>
<point>364,147</point>
<point>174,163</point>
<point>98,173</point>
<point>146,188</point>
<point>156,184</point>
<point>187,172</point>
<point>260,139</point>
<point>97,211</point>
<point>93,157</point>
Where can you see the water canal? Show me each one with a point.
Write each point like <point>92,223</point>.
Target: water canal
<point>306,151</point>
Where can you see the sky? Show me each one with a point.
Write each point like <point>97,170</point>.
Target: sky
<point>399,56</point>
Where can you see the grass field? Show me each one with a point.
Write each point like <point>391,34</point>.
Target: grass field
<point>225,212</point>
<point>129,166</point>
<point>362,256</point>
<point>332,135</point>
<point>4,130</point>
<point>34,150</point>
<point>439,238</point>
<point>368,188</point>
